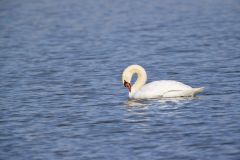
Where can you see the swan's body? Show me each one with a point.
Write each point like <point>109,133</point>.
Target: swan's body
<point>156,89</point>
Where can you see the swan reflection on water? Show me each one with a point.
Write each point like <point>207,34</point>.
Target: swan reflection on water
<point>142,111</point>
<point>161,101</point>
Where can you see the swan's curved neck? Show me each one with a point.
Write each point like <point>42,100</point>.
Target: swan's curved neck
<point>141,77</point>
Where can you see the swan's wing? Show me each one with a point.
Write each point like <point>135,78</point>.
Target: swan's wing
<point>161,88</point>
<point>179,93</point>
<point>183,93</point>
<point>165,86</point>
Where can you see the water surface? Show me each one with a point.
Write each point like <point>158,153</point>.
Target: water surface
<point>61,95</point>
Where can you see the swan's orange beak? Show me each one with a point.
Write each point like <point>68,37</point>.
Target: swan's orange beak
<point>128,85</point>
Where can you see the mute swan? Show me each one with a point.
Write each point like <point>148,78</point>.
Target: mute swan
<point>156,89</point>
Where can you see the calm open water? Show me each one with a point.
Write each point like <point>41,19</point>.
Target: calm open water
<point>61,95</point>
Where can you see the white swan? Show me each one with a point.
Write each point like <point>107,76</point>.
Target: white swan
<point>156,89</point>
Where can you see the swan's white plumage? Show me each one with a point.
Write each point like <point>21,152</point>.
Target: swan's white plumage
<point>164,89</point>
<point>156,89</point>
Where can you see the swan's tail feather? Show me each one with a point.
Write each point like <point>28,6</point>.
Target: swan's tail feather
<point>197,90</point>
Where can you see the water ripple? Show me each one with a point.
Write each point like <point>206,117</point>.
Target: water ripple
<point>61,95</point>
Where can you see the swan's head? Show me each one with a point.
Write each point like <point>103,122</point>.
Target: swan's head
<point>127,85</point>
<point>127,77</point>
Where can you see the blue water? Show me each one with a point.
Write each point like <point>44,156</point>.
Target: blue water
<point>61,95</point>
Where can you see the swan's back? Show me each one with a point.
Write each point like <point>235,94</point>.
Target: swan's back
<point>164,88</point>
